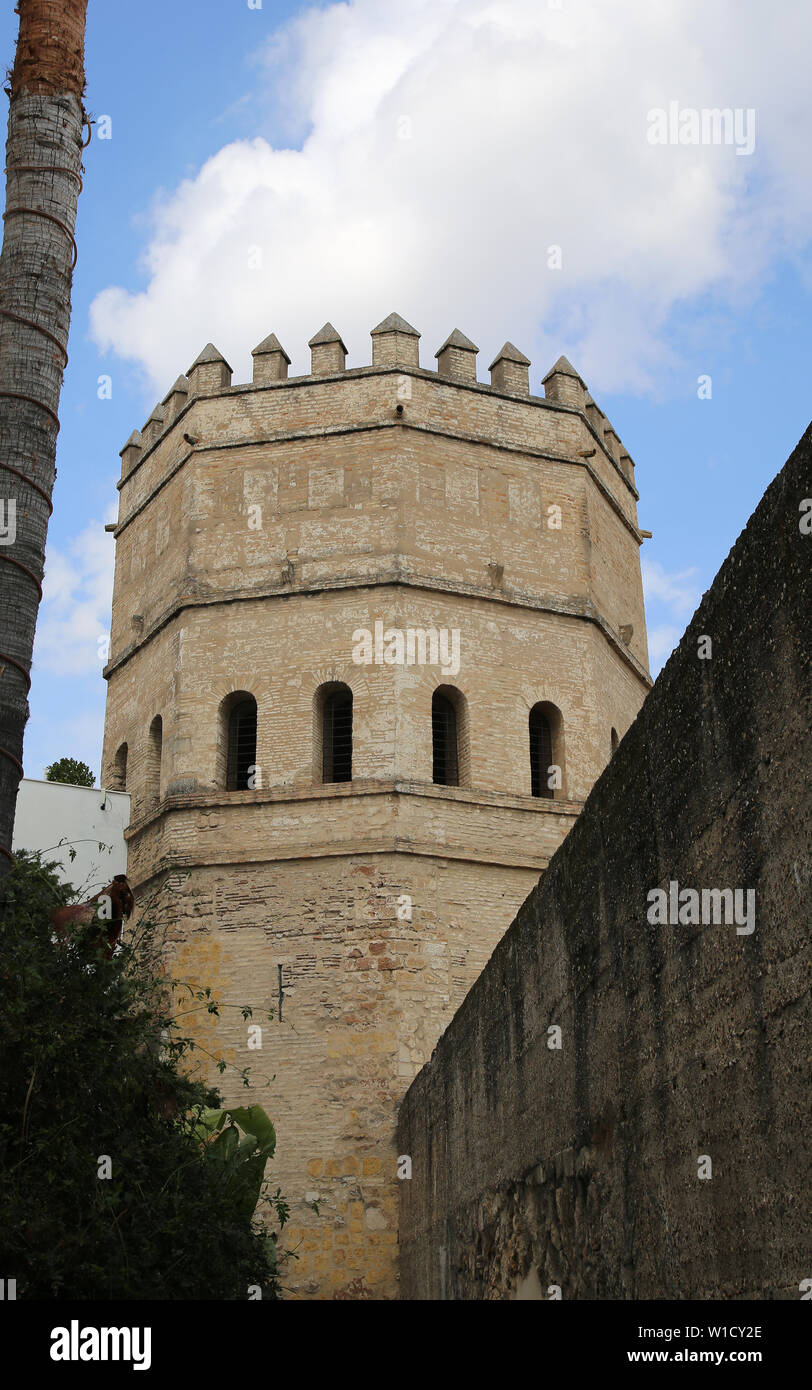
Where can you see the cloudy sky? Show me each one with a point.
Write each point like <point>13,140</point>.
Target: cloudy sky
<point>273,165</point>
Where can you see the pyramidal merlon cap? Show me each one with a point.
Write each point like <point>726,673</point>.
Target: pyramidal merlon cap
<point>327,334</point>
<point>268,345</point>
<point>563,367</point>
<point>457,340</point>
<point>394,323</point>
<point>509,353</point>
<point>180,386</point>
<point>134,442</point>
<point>209,354</point>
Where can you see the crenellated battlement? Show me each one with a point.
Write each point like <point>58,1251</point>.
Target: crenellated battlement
<point>356,475</point>
<point>395,348</point>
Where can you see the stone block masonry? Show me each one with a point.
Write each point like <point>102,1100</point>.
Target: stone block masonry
<point>620,1108</point>
<point>261,528</point>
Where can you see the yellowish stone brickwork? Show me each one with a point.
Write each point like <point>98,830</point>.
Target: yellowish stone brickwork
<point>263,528</point>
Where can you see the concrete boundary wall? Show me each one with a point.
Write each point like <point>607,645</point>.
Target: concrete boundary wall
<point>89,820</point>
<point>662,1150</point>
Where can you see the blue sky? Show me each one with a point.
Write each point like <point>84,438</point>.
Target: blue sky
<point>270,168</point>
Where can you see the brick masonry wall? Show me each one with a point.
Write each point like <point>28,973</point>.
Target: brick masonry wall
<point>353,495</point>
<point>258,531</point>
<point>578,1169</point>
<point>283,650</point>
<point>366,993</point>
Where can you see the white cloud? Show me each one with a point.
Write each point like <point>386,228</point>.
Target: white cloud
<point>661,642</point>
<point>679,592</point>
<point>672,599</point>
<point>527,128</point>
<point>76,599</point>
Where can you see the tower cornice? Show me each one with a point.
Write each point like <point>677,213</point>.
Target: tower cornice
<point>394,843</point>
<point>367,426</point>
<point>354,373</point>
<point>395,578</point>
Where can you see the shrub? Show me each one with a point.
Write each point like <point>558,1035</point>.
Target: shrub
<point>92,1083</point>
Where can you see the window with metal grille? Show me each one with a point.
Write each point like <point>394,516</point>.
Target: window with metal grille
<point>541,753</point>
<point>242,744</point>
<point>445,763</point>
<point>337,735</point>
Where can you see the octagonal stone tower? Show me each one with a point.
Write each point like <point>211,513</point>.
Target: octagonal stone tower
<point>375,634</point>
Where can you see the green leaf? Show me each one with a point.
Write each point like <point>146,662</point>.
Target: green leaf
<point>253,1119</point>
<point>249,1182</point>
<point>225,1145</point>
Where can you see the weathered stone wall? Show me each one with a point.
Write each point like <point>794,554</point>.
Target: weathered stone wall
<point>366,993</point>
<point>580,1166</point>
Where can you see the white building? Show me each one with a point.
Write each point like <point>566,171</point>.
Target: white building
<point>55,817</point>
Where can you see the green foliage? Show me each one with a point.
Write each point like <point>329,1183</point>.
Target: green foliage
<point>243,1159</point>
<point>31,890</point>
<point>92,1064</point>
<point>72,771</point>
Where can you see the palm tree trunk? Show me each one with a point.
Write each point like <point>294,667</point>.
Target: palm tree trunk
<point>43,181</point>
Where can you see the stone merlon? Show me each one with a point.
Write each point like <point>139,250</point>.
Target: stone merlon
<point>594,415</point>
<point>209,372</point>
<point>457,357</point>
<point>510,370</point>
<point>176,398</point>
<point>395,342</point>
<point>564,385</point>
<point>327,351</point>
<point>154,426</point>
<point>271,362</point>
<point>131,452</point>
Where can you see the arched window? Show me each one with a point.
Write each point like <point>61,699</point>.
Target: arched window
<point>334,702</point>
<point>242,744</point>
<point>546,751</point>
<point>119,773</point>
<point>445,739</point>
<point>615,741</point>
<point>541,753</point>
<point>237,742</point>
<point>236,750</point>
<point>153,769</point>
